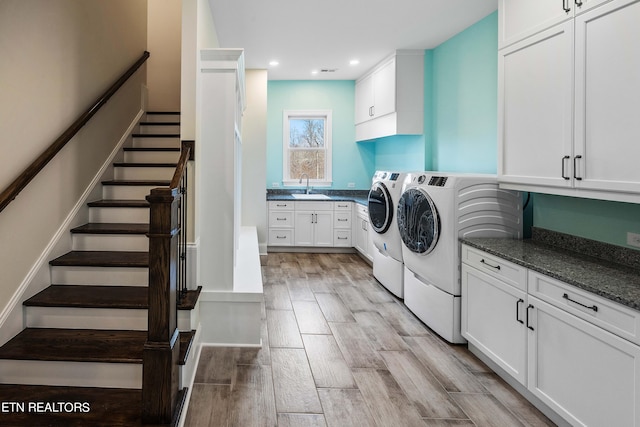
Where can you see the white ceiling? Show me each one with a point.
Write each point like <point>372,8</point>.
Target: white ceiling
<point>306,35</point>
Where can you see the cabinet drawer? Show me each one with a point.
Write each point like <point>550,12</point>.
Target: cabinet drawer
<point>608,315</point>
<point>280,205</point>
<point>281,219</point>
<point>362,210</point>
<point>506,271</point>
<point>342,219</point>
<point>342,238</point>
<point>342,206</point>
<point>282,237</point>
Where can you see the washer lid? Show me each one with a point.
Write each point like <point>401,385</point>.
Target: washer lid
<point>380,207</point>
<point>418,221</point>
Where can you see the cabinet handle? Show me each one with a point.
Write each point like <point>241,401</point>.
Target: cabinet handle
<point>518,310</point>
<point>281,206</point>
<point>563,162</point>
<point>281,219</point>
<point>342,220</point>
<point>528,325</point>
<point>593,307</point>
<point>575,167</point>
<point>342,238</point>
<point>281,237</point>
<point>565,6</point>
<point>497,267</point>
<point>314,218</point>
<point>578,3</point>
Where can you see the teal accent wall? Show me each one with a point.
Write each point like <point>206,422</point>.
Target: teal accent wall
<point>352,162</point>
<point>400,153</point>
<point>599,220</point>
<point>462,77</point>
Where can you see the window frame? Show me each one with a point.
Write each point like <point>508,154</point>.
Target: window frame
<point>288,180</point>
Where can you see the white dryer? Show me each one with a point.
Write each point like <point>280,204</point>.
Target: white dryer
<point>434,211</point>
<point>385,192</point>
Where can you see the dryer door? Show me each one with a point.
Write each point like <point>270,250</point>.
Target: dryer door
<point>380,207</point>
<point>418,221</point>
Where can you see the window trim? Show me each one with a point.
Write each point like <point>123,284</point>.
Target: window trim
<point>328,131</point>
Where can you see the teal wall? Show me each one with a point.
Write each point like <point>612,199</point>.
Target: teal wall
<point>401,153</point>
<point>593,219</point>
<point>351,162</point>
<point>464,86</point>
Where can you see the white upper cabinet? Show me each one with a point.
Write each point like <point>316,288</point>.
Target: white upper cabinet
<point>389,98</point>
<point>568,103</point>
<point>518,19</point>
<point>607,103</point>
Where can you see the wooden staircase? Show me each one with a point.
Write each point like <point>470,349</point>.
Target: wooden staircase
<point>82,346</point>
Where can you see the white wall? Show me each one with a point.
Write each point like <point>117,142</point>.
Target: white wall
<point>164,28</point>
<point>254,155</point>
<point>58,56</point>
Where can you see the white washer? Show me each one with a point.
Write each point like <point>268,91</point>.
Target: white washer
<point>434,211</point>
<point>385,192</point>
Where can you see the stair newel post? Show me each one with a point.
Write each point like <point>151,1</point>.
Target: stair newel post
<point>160,377</point>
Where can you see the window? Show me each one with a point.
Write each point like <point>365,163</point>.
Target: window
<point>307,147</point>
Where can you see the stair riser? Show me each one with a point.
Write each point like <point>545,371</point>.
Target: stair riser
<point>151,156</point>
<point>159,129</point>
<point>110,242</point>
<point>156,142</point>
<point>134,215</point>
<point>161,118</point>
<point>87,318</point>
<point>98,318</point>
<point>126,276</point>
<point>143,172</point>
<point>81,374</point>
<point>127,192</point>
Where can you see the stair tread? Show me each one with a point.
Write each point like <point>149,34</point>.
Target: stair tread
<point>95,296</point>
<point>103,259</point>
<point>156,135</point>
<point>144,165</point>
<point>186,339</point>
<point>91,296</point>
<point>111,228</point>
<point>159,123</point>
<point>134,182</point>
<point>172,149</point>
<point>108,407</point>
<point>76,345</point>
<point>163,113</point>
<point>119,203</point>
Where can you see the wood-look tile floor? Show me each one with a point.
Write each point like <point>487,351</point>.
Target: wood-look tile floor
<point>340,350</point>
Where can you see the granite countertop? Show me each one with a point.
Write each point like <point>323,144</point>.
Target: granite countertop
<point>619,282</point>
<point>357,196</point>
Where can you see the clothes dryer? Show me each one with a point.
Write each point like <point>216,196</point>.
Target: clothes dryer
<point>385,192</point>
<point>434,211</point>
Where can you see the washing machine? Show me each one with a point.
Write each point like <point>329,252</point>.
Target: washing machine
<point>385,192</point>
<point>434,211</point>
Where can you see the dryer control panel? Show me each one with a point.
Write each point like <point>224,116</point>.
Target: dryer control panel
<point>438,181</point>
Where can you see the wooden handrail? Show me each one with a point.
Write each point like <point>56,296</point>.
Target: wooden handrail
<point>12,191</point>
<point>180,167</point>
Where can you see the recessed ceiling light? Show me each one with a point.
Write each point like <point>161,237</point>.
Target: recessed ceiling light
<point>354,62</point>
<point>314,72</point>
<point>274,63</point>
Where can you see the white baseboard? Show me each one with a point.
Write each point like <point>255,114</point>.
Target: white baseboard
<point>38,277</point>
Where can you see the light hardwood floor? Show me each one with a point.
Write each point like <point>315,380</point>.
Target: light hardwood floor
<point>339,350</point>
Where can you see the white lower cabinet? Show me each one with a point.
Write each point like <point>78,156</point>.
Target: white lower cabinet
<point>363,238</point>
<point>493,319</point>
<point>554,339</point>
<point>313,228</point>
<point>586,374</point>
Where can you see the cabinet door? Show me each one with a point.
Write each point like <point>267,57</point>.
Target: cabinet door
<point>384,89</point>
<point>535,101</point>
<point>323,228</point>
<point>304,226</point>
<point>493,315</point>
<point>518,19</point>
<point>587,375</point>
<point>364,99</point>
<point>607,105</point>
<point>361,235</point>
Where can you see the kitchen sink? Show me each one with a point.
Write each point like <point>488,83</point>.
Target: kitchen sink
<point>311,196</point>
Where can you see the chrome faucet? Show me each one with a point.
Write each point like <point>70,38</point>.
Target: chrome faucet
<point>300,182</point>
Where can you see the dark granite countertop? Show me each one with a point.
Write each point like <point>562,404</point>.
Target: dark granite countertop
<point>357,196</point>
<point>616,281</point>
